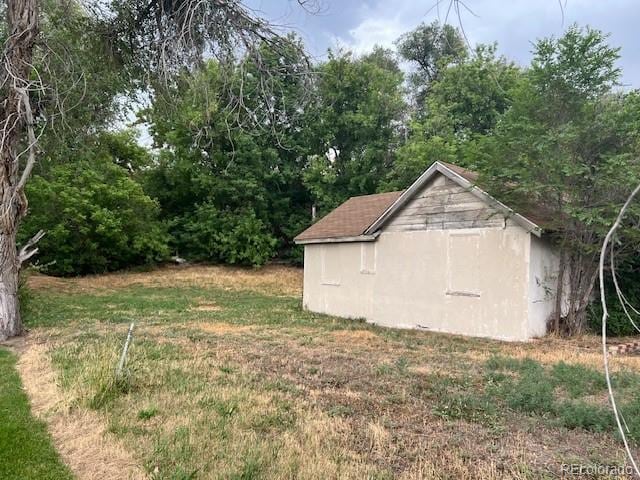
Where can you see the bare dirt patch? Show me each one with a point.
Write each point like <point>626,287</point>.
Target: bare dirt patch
<point>273,279</point>
<point>362,336</point>
<point>206,307</point>
<point>585,350</point>
<point>78,434</point>
<point>219,327</point>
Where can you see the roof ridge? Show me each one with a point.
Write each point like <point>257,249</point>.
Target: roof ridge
<point>374,194</point>
<point>360,217</point>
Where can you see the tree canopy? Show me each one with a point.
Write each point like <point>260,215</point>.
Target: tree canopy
<point>569,145</point>
<point>430,48</point>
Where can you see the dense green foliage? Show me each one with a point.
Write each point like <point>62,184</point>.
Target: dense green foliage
<point>354,127</point>
<point>568,145</point>
<point>26,449</point>
<point>240,196</point>
<point>618,323</point>
<point>464,104</point>
<point>96,218</point>
<point>224,195</point>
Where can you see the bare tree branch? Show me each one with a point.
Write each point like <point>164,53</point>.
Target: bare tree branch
<point>26,252</point>
<point>33,143</point>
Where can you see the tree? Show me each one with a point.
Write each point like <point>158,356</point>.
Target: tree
<point>354,127</point>
<point>218,189</point>
<point>569,145</point>
<point>87,80</point>
<point>463,104</point>
<point>431,48</point>
<point>16,117</point>
<point>159,38</point>
<point>97,218</point>
<point>470,96</point>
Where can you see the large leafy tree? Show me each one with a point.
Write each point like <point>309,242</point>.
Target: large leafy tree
<point>157,38</point>
<point>430,48</point>
<point>463,104</point>
<point>86,82</point>
<point>569,146</point>
<point>471,95</point>
<point>220,190</point>
<point>290,134</point>
<point>354,128</point>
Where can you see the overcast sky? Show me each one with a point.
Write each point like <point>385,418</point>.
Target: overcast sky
<point>514,24</point>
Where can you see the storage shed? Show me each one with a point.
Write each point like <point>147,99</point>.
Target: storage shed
<point>442,255</point>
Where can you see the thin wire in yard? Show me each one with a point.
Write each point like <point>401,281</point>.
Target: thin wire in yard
<point>621,298</point>
<point>605,314</point>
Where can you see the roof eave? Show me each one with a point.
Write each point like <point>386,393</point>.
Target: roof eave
<point>355,238</point>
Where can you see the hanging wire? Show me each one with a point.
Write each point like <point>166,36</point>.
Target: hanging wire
<point>605,314</point>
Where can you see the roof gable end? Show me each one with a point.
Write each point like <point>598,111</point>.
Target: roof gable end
<point>466,179</point>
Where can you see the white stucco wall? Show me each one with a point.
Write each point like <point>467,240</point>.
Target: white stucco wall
<point>466,281</point>
<point>543,278</point>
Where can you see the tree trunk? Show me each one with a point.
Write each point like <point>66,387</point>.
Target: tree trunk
<point>10,321</point>
<point>557,316</point>
<point>582,302</point>
<point>15,115</point>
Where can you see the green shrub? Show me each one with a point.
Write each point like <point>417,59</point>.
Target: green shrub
<point>618,323</point>
<point>96,219</point>
<point>210,234</point>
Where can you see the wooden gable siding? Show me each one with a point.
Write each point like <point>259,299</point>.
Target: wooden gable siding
<point>442,205</point>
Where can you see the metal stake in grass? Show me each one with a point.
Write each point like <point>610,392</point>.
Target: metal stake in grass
<point>123,356</point>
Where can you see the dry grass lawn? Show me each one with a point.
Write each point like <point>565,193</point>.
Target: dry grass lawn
<point>229,378</point>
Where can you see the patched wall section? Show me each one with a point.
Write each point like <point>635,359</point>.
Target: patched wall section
<point>543,280</point>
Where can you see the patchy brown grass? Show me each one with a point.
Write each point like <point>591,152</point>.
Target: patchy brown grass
<point>204,306</point>
<point>271,279</point>
<point>390,413</point>
<point>79,435</point>
<point>365,336</point>
<point>585,350</point>
<point>221,390</point>
<point>220,328</point>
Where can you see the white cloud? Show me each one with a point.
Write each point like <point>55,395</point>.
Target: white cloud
<point>374,31</point>
<point>358,26</point>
